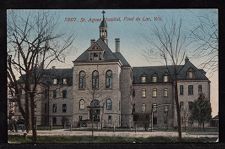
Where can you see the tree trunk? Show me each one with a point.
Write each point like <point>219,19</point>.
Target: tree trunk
<point>33,120</point>
<point>27,111</point>
<point>178,110</point>
<point>203,126</point>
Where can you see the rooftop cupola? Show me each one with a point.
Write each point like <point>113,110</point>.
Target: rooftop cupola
<point>103,29</point>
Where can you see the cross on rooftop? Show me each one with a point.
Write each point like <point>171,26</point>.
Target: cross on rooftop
<point>103,12</point>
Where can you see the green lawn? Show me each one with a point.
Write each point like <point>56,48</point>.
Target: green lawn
<point>101,139</point>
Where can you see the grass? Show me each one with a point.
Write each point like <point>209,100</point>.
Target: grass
<point>103,139</point>
<point>193,130</point>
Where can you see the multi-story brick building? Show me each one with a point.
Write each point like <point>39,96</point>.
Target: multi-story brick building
<point>103,88</point>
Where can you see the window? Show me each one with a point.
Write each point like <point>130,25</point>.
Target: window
<point>181,90</point>
<point>82,80</point>
<point>190,105</point>
<point>46,93</point>
<point>165,78</point>
<point>143,79</point>
<point>199,89</point>
<point>154,79</point>
<point>55,81</point>
<point>154,92</point>
<point>190,73</point>
<point>46,107</point>
<point>54,120</point>
<point>64,81</point>
<point>133,93</point>
<point>91,56</point>
<point>181,105</point>
<point>110,119</point>
<point>95,80</point>
<point>109,104</point>
<point>154,120</point>
<point>54,108</point>
<point>54,93</point>
<point>81,104</point>
<point>143,92</point>
<point>143,107</point>
<point>165,92</point>
<point>190,89</point>
<point>64,93</point>
<point>166,109</point>
<point>96,56</point>
<point>154,107</point>
<point>108,79</point>
<point>119,105</point>
<point>64,108</point>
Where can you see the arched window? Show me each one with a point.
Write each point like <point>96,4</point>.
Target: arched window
<point>81,104</point>
<point>82,80</point>
<point>109,104</point>
<point>190,73</point>
<point>95,80</point>
<point>108,79</point>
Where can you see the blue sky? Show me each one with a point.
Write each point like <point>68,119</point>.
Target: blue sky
<point>132,42</point>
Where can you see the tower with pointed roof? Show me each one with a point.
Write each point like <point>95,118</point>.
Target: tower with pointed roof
<point>103,29</point>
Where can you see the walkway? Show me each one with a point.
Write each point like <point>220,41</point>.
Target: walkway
<point>64,132</point>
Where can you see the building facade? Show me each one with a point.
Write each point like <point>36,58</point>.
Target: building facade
<point>103,90</point>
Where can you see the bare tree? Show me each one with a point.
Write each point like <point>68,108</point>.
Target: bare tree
<point>185,117</point>
<point>33,45</point>
<point>205,36</point>
<point>168,43</point>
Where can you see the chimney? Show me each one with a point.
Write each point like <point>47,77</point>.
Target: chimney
<point>186,59</point>
<point>92,41</point>
<point>117,44</point>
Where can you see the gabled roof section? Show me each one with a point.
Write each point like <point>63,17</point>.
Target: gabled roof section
<point>149,71</point>
<point>95,47</point>
<point>162,70</point>
<point>108,54</point>
<point>59,73</point>
<point>122,59</point>
<point>50,74</point>
<point>199,74</point>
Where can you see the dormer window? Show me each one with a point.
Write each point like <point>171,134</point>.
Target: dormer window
<point>154,78</point>
<point>165,77</point>
<point>190,73</point>
<point>55,81</point>
<point>64,81</point>
<point>143,79</point>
